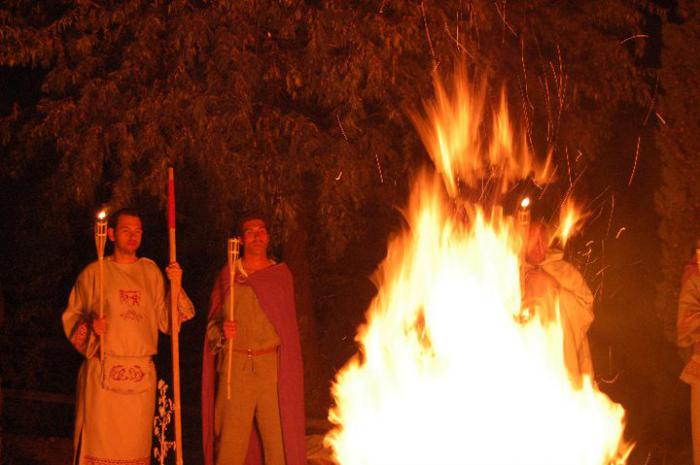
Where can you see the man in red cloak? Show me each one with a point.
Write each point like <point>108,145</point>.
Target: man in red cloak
<point>266,404</point>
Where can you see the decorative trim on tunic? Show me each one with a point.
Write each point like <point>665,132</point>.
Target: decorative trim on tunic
<point>79,337</point>
<point>123,373</point>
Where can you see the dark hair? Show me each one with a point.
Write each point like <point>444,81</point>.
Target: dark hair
<point>114,217</point>
<point>247,217</point>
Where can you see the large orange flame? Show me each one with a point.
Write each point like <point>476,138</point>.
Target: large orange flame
<point>445,374</point>
<point>452,133</point>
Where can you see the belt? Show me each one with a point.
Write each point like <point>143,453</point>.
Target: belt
<point>255,353</point>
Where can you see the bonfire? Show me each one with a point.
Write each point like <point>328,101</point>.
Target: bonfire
<point>446,372</point>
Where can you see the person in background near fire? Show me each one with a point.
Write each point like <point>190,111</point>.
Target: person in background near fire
<point>688,337</point>
<point>546,277</point>
<point>267,372</point>
<point>115,400</point>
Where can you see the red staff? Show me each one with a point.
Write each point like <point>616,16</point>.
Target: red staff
<point>175,320</point>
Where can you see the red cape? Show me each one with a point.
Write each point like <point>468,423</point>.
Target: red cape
<point>274,289</point>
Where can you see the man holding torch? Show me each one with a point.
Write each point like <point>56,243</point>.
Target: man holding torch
<point>547,277</point>
<point>688,338</point>
<point>265,387</point>
<point>116,395</point>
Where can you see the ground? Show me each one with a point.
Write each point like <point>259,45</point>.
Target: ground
<point>28,450</point>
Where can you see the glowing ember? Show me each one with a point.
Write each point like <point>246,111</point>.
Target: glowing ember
<point>446,374</point>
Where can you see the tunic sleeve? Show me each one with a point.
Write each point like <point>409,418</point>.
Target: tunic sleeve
<point>689,312</point>
<point>215,333</point>
<point>576,297</point>
<point>79,313</point>
<point>576,306</point>
<point>185,307</point>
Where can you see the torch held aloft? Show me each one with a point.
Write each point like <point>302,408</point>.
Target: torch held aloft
<point>233,252</point>
<point>100,240</point>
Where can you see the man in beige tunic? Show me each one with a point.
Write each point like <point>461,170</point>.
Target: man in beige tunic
<point>549,278</point>
<point>116,398</point>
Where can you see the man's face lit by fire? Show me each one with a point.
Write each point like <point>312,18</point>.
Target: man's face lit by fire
<point>537,244</point>
<point>255,238</point>
<point>126,235</point>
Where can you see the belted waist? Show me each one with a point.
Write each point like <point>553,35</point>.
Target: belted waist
<point>256,352</point>
<point>129,358</point>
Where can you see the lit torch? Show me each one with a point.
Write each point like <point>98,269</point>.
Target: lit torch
<point>524,212</point>
<point>233,251</point>
<point>525,312</point>
<point>100,240</point>
<point>523,218</point>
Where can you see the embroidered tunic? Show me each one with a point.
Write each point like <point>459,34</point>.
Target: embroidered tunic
<point>116,399</point>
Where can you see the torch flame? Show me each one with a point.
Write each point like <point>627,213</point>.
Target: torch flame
<point>525,202</point>
<point>444,373</point>
<point>102,215</point>
<point>570,221</point>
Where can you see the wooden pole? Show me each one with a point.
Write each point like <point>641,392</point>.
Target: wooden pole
<point>174,321</point>
<point>523,219</point>
<point>233,251</point>
<point>523,225</point>
<point>100,240</point>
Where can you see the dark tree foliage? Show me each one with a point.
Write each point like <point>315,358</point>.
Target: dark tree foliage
<point>251,96</point>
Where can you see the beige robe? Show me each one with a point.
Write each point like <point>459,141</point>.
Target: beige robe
<point>688,336</point>
<point>115,400</point>
<point>576,313</point>
<point>688,323</point>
